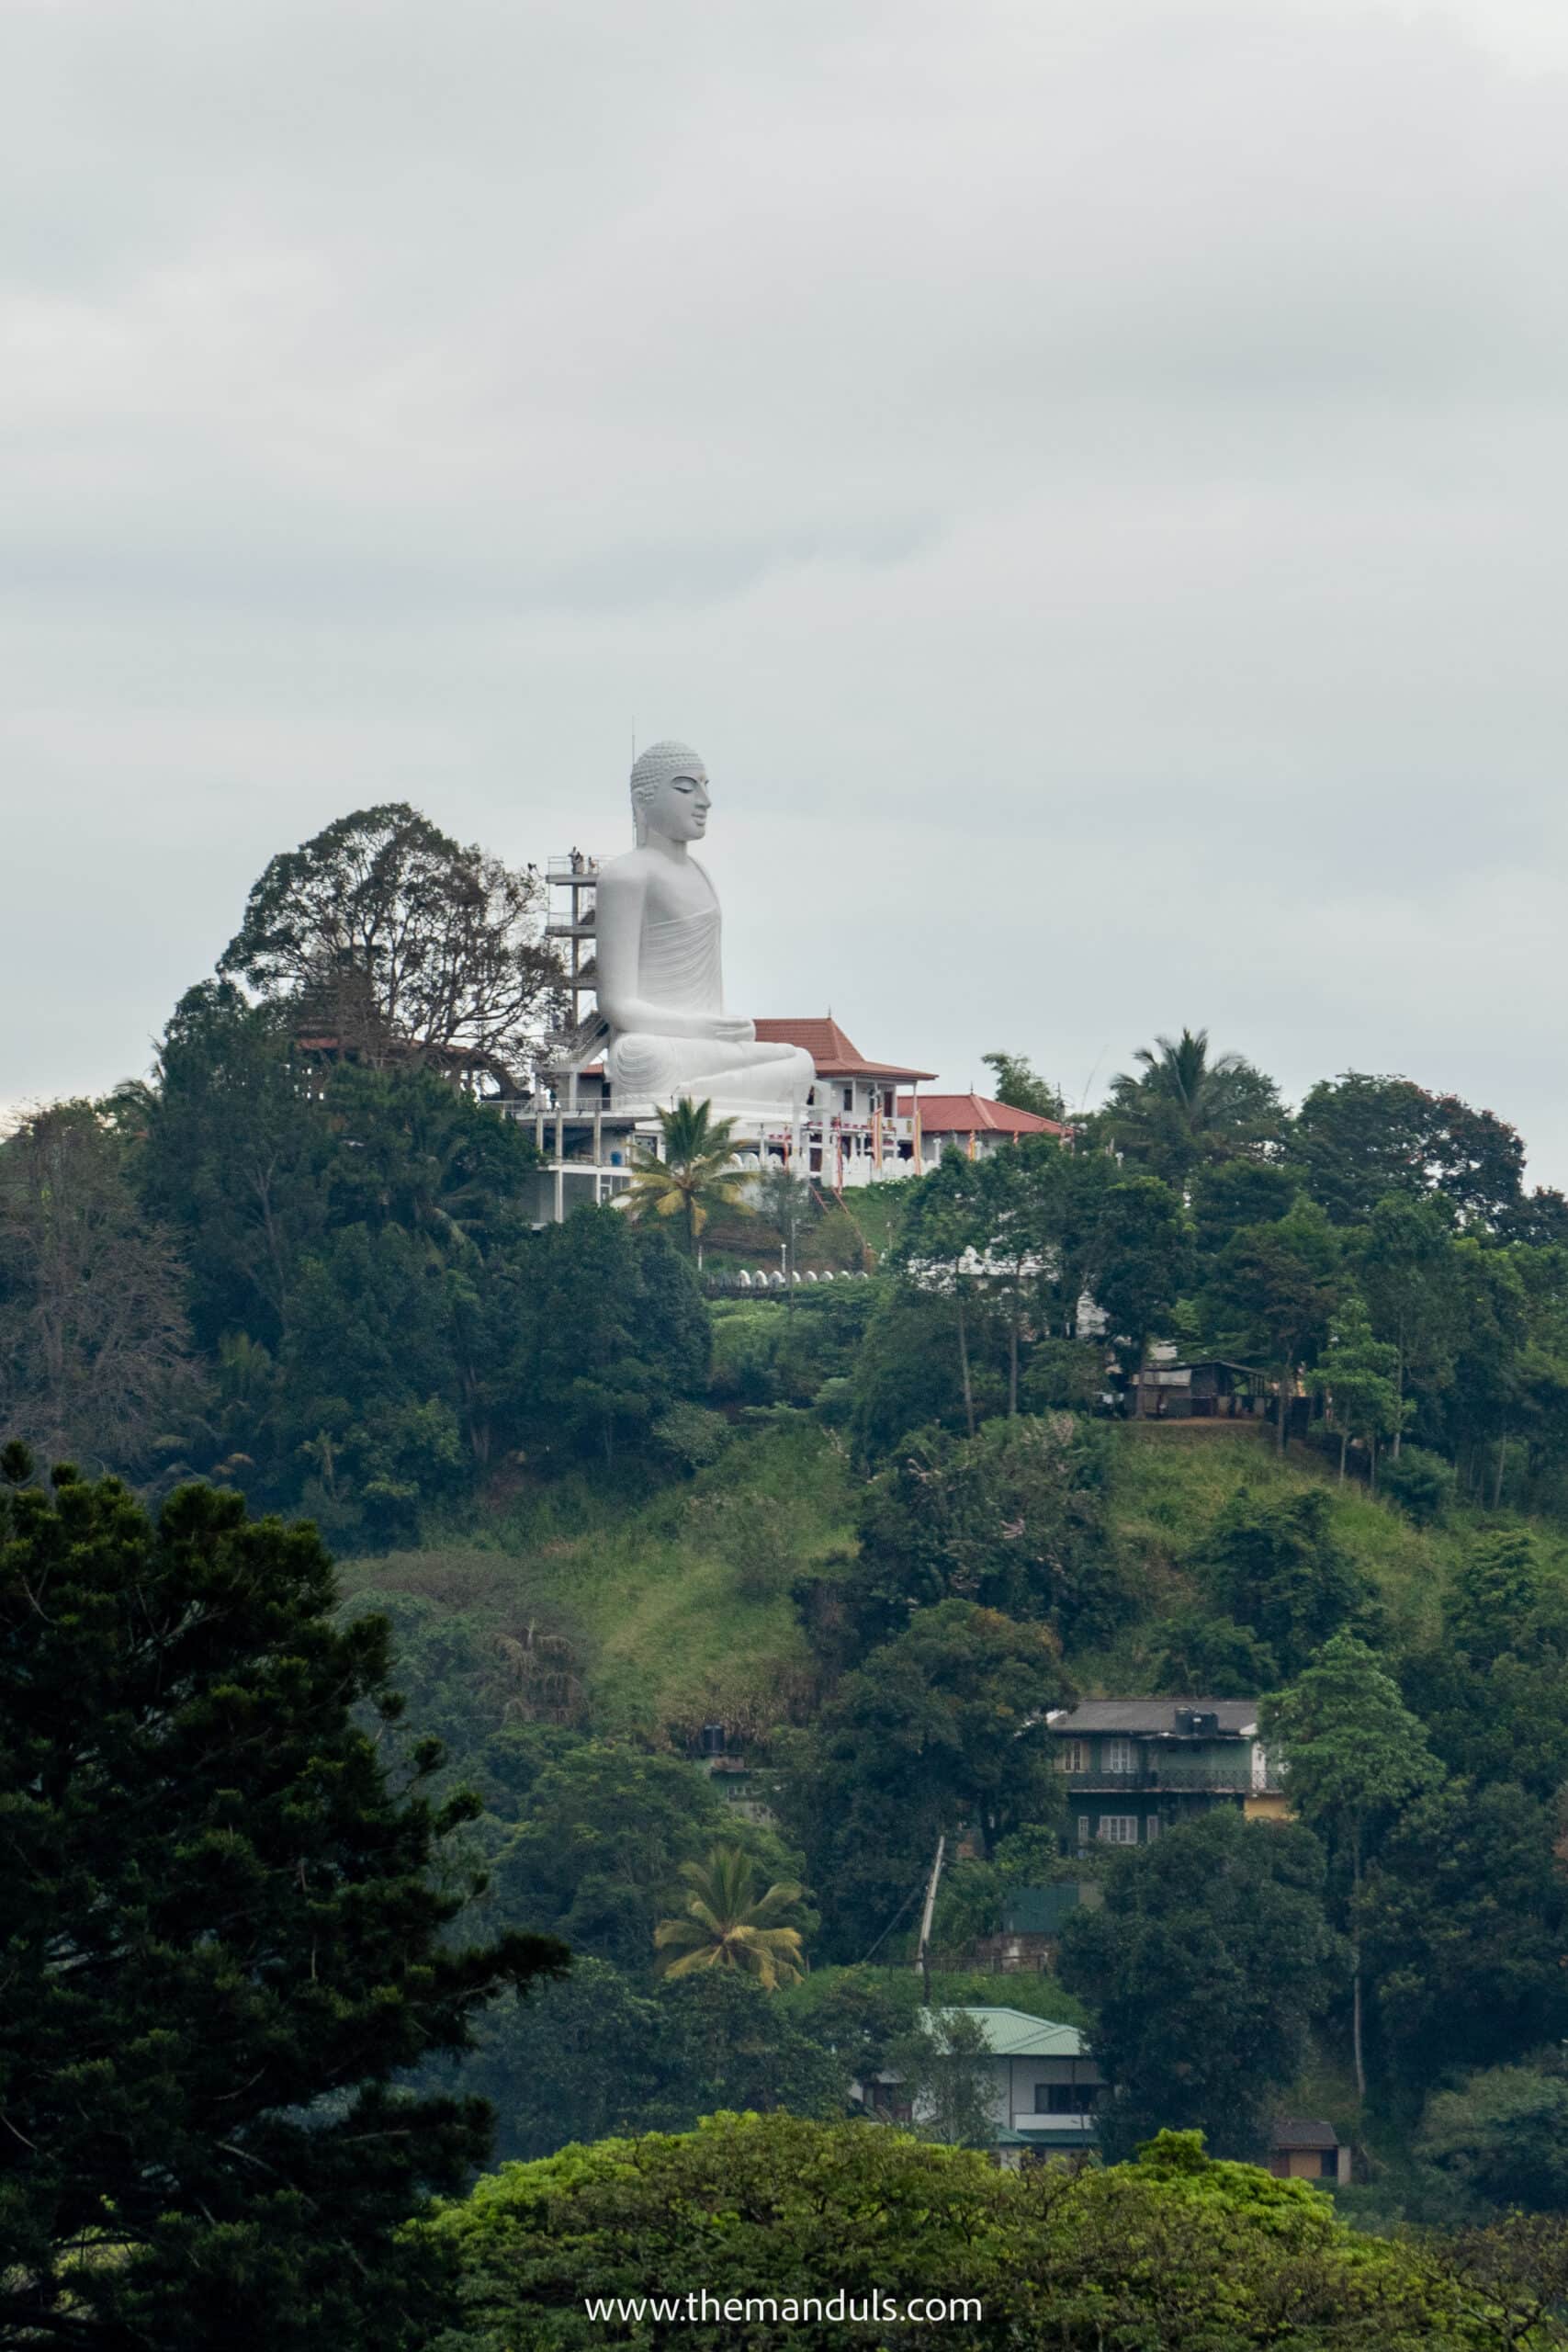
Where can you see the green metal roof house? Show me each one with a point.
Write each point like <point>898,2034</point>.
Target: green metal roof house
<point>1043,2087</point>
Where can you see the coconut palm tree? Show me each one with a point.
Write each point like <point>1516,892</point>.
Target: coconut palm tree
<point>692,1175</point>
<point>1189,1105</point>
<point>728,1925</point>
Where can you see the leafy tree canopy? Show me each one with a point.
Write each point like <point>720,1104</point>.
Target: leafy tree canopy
<point>95,1347</point>
<point>1353,1755</point>
<point>1226,1194</point>
<point>596,1855</point>
<point>1491,1600</point>
<point>907,1373</point>
<point>1354,1752</point>
<point>1276,1568</point>
<point>389,936</point>
<point>1359,1137</point>
<point>609,1328</point>
<point>1014,1517</point>
<point>593,2052</point>
<point>1491,1688</point>
<point>1194,1650</point>
<point>939,1729</point>
<point>1168,2254</point>
<point>1207,1966</point>
<point>1021,1086</point>
<point>1273,1292</point>
<point>1464,1922</point>
<point>1358,1379</point>
<point>1502,2136</point>
<point>1186,1105</point>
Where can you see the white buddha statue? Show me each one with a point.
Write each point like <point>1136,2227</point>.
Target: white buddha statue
<point>659,984</point>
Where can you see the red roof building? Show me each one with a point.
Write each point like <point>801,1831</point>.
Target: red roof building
<point>972,1123</point>
<point>832,1052</point>
<point>971,1115</point>
<point>852,1134</point>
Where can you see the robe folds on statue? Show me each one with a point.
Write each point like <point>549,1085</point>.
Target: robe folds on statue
<point>679,968</point>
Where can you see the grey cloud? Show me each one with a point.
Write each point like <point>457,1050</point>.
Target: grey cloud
<point>1091,479</point>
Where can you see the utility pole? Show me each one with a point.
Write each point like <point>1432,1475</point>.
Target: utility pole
<point>923,1955</point>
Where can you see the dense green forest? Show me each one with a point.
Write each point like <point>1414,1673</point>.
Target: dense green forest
<point>583,1503</point>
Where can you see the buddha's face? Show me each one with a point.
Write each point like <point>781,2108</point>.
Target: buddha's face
<point>679,810</point>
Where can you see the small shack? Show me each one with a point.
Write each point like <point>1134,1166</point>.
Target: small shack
<point>1301,2148</point>
<point>1209,1390</point>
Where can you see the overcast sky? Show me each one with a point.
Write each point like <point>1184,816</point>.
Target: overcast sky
<point>1089,475</point>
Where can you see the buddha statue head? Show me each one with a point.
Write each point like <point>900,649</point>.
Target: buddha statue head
<point>669,793</point>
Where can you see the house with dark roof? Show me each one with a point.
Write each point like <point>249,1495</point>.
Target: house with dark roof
<point>1303,2149</point>
<point>1134,1767</point>
<point>1212,1389</point>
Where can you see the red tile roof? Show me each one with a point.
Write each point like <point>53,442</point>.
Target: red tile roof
<point>832,1051</point>
<point>969,1115</point>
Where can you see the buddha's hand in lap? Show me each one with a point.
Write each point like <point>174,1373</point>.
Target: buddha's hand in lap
<point>733,1031</point>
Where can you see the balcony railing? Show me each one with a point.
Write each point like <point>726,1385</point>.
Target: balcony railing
<point>1228,1779</point>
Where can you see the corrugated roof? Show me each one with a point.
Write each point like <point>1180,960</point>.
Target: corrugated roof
<point>1151,1716</point>
<point>1297,2131</point>
<point>1045,2135</point>
<point>974,1115</point>
<point>1009,2033</point>
<point>832,1052</point>
<point>1052,2135</point>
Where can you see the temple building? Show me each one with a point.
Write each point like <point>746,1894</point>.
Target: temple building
<point>857,1130</point>
<point>853,1129</point>
<point>798,1090</point>
<point>970,1124</point>
<point>862,1120</point>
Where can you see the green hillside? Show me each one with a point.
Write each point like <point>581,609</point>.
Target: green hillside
<point>1174,1480</point>
<point>678,1605</point>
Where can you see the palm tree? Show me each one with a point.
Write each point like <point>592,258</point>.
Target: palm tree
<point>692,1175</point>
<point>1189,1105</point>
<point>728,1925</point>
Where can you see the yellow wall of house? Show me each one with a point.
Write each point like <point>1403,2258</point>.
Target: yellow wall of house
<point>1269,1805</point>
<point>1306,2163</point>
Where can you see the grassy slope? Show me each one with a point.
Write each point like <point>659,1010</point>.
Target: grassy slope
<point>835,1236</point>
<point>873,1209</point>
<point>669,1629</point>
<point>1175,1481</point>
<point>673,1626</point>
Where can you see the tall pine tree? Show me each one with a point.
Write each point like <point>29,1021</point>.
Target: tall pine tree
<point>222,1938</point>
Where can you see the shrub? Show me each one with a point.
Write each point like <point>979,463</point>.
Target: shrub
<point>1422,1484</point>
